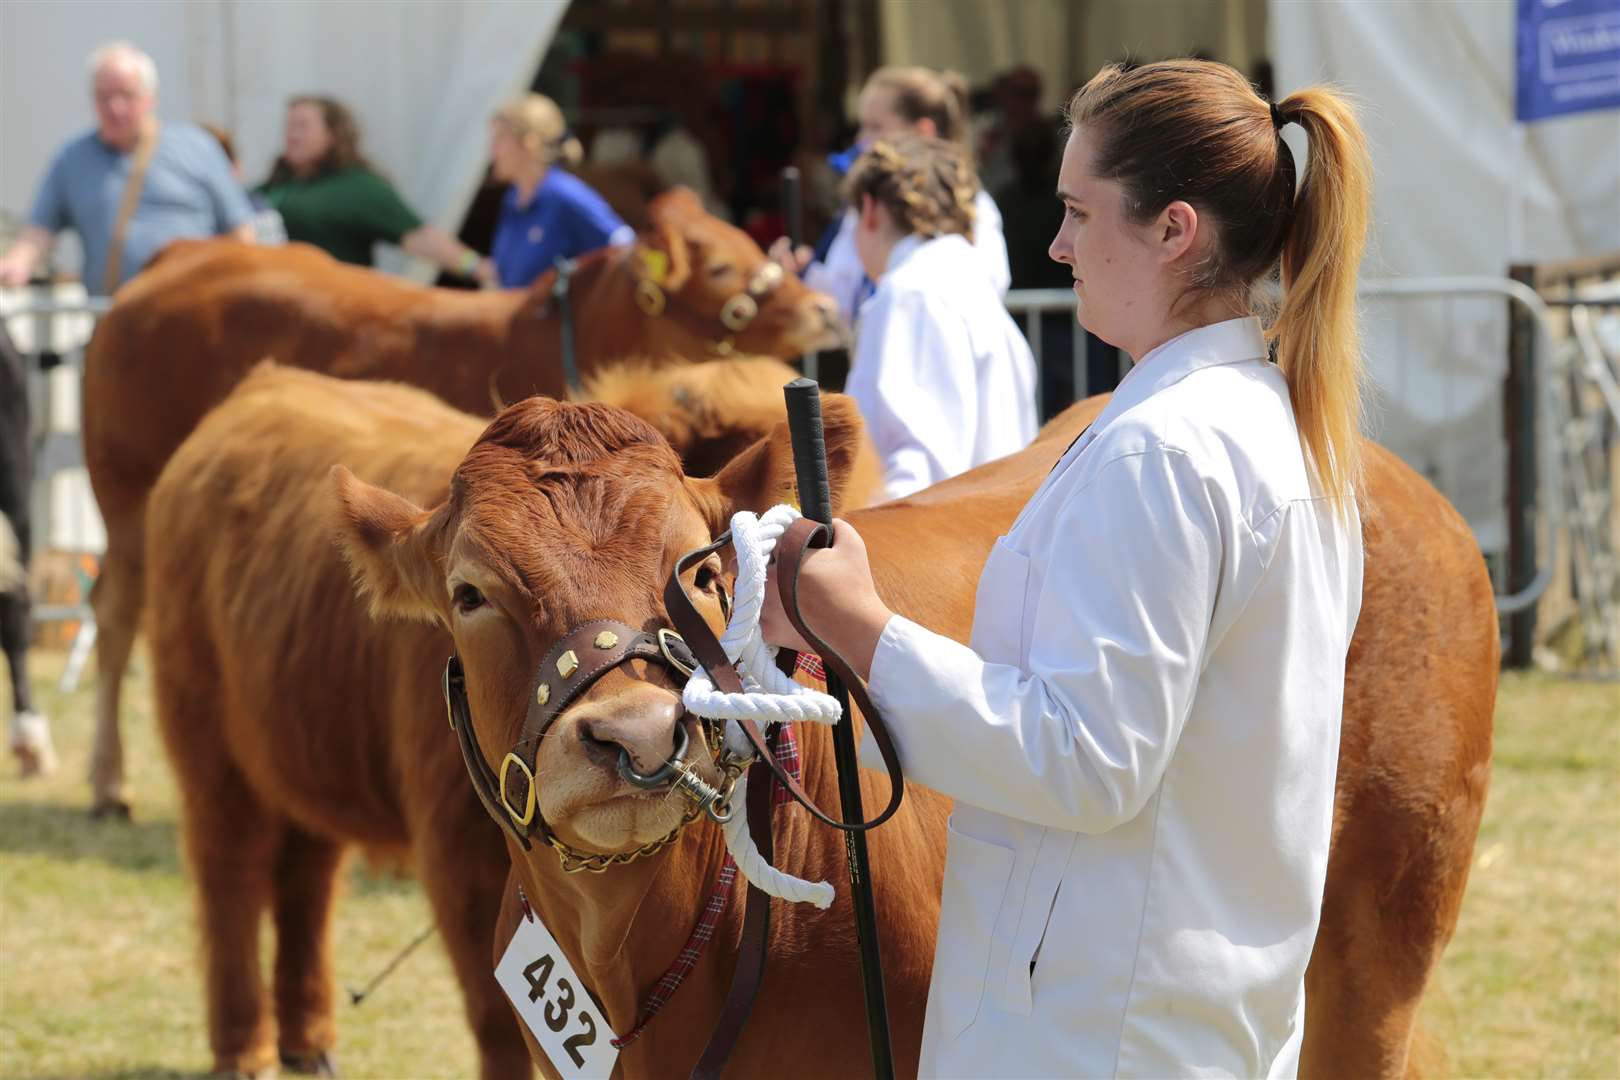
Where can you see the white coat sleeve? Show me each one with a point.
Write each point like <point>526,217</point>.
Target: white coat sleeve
<point>990,242</point>
<point>1081,740</point>
<point>840,276</point>
<point>915,383</point>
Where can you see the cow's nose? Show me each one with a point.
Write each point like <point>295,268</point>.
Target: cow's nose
<point>639,723</point>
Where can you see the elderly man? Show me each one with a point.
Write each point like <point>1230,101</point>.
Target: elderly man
<point>131,186</point>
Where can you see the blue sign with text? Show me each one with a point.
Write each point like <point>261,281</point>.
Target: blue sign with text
<point>1568,57</point>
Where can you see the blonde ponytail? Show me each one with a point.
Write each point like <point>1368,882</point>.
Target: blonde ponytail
<point>1318,344</point>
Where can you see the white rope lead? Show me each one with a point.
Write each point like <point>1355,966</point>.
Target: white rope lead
<point>768,695</point>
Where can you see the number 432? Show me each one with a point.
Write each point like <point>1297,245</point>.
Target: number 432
<point>558,1008</point>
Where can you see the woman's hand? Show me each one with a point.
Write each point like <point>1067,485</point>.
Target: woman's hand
<point>837,600</point>
<point>791,259</point>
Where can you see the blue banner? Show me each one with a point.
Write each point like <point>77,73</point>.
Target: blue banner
<point>1568,57</point>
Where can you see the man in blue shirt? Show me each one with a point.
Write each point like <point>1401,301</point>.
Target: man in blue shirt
<point>188,189</point>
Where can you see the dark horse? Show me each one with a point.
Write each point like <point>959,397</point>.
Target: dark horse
<point>30,732</point>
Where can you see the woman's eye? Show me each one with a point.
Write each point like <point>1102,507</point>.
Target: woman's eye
<point>467,598</point>
<point>1076,214</point>
<point>719,270</point>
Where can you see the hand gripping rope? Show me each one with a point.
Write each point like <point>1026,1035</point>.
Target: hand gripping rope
<point>769,697</point>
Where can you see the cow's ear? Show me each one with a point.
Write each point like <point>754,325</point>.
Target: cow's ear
<point>665,259</point>
<point>763,475</point>
<point>385,538</point>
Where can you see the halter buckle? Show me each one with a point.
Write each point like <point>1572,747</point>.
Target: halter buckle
<point>523,819</point>
<point>676,653</point>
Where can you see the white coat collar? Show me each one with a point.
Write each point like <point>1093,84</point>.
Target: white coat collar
<point>1229,342</point>
<point>904,249</point>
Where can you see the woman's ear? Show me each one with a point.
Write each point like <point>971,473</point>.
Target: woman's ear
<point>1176,230</point>
<point>871,219</point>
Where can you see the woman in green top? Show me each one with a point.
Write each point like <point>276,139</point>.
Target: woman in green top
<point>331,196</point>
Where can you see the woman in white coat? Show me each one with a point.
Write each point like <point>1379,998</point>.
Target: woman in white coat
<point>1142,738</point>
<point>898,101</point>
<point>943,378</point>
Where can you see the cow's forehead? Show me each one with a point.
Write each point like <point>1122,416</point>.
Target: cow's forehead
<point>569,524</point>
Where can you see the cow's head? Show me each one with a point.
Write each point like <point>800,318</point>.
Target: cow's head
<point>710,282</point>
<point>559,515</point>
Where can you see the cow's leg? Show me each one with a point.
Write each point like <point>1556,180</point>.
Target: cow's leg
<point>30,734</point>
<point>306,884</point>
<point>1381,937</point>
<point>117,598</point>
<point>233,843</point>
<point>464,866</point>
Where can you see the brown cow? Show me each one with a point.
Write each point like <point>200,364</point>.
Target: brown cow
<point>562,514</point>
<point>190,327</point>
<point>247,592</point>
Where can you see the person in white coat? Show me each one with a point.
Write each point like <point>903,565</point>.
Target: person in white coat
<point>943,378</point>
<point>896,101</point>
<point>1142,738</point>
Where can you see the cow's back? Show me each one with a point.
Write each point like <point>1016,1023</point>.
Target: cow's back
<point>184,332</point>
<point>245,587</point>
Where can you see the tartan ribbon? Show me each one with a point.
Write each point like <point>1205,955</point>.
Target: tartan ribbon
<point>810,664</point>
<point>786,749</point>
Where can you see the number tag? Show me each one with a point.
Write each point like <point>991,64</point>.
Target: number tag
<point>553,1002</point>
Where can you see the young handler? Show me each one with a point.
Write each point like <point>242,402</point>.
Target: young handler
<point>1143,737</point>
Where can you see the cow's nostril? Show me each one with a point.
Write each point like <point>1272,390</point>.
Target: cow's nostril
<point>600,744</point>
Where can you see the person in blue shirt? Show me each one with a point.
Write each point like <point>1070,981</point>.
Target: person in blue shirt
<point>547,213</point>
<point>187,191</point>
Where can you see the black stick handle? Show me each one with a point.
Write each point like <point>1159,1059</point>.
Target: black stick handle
<point>815,501</point>
<point>793,205</point>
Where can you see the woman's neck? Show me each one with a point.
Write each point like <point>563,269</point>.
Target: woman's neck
<point>1206,314</point>
<point>527,182</point>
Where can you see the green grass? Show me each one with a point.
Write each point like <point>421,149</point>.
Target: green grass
<point>98,971</point>
<point>1531,983</point>
<point>98,945</point>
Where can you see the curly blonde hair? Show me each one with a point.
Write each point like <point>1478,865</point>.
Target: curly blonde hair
<point>927,185</point>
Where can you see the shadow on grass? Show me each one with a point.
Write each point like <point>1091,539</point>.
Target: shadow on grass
<point>68,833</point>
<point>133,1072</point>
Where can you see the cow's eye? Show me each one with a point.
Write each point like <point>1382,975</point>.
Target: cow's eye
<point>467,598</point>
<point>703,580</point>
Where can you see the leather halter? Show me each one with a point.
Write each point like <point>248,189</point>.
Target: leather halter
<point>569,668</point>
<point>735,315</point>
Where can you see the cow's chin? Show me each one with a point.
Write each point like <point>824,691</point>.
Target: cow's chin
<point>620,822</point>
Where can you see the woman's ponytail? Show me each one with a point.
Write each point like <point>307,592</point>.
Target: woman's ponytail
<point>1318,346</point>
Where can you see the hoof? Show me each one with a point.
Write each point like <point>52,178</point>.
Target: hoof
<point>31,744</point>
<point>321,1063</point>
<point>110,810</point>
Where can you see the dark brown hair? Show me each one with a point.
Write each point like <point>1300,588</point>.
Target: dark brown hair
<point>927,185</point>
<point>345,131</point>
<point>1196,131</point>
<point>922,93</point>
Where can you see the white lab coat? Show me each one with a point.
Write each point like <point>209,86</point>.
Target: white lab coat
<point>943,378</point>
<point>1142,741</point>
<point>841,274</point>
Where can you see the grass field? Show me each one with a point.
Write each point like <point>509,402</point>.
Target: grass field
<point>98,976</point>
